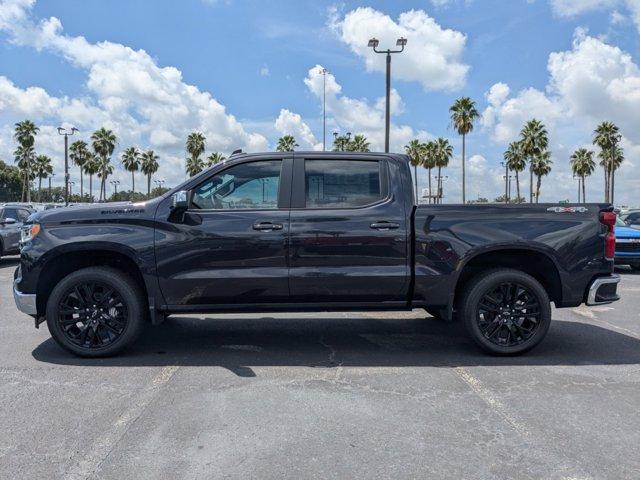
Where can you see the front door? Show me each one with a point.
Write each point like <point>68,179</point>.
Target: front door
<point>231,246</point>
<point>348,232</point>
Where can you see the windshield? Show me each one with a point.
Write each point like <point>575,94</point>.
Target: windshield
<point>620,222</point>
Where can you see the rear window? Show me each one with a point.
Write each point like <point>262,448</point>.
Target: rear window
<point>342,183</point>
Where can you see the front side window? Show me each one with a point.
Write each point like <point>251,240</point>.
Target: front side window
<point>342,183</point>
<point>251,185</point>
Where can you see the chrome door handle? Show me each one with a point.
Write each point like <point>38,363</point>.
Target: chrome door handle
<point>267,226</point>
<point>384,225</point>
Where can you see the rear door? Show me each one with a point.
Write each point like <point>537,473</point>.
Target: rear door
<point>231,246</point>
<point>348,234</point>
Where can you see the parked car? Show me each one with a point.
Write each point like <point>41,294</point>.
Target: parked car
<point>12,216</point>
<point>627,245</point>
<point>632,218</point>
<point>314,231</point>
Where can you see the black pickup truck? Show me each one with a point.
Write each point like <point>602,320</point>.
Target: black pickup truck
<point>313,231</point>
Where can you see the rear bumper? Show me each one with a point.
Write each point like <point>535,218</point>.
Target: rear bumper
<point>603,290</point>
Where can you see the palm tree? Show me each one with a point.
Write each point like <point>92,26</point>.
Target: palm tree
<point>583,165</point>
<point>195,144</point>
<point>214,158</point>
<point>341,142</point>
<point>359,144</point>
<point>79,155</point>
<point>534,141</point>
<point>131,163</point>
<point>24,156</point>
<point>607,136</point>
<point>91,167</point>
<point>24,134</point>
<point>149,166</point>
<point>463,114</point>
<point>429,161</point>
<point>514,158</point>
<point>104,141</point>
<point>42,169</point>
<point>286,143</point>
<point>194,166</point>
<point>541,166</point>
<point>415,151</point>
<point>443,153</point>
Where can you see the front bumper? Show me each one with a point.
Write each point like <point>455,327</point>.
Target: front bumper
<point>26,302</point>
<point>603,290</point>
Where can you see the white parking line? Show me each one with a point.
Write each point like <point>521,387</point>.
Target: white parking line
<point>86,466</point>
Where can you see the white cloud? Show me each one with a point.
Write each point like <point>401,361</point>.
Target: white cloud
<point>264,71</point>
<point>289,123</point>
<point>572,8</point>
<point>129,92</point>
<point>433,55</point>
<point>569,8</point>
<point>361,116</point>
<point>588,84</point>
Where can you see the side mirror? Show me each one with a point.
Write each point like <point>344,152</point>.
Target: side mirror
<point>9,221</point>
<point>180,200</point>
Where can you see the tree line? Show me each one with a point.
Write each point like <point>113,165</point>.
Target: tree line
<point>93,158</point>
<point>530,150</point>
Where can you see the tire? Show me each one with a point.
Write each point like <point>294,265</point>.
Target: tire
<point>500,324</point>
<point>96,312</point>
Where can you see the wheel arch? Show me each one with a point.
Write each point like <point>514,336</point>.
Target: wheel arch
<point>62,261</point>
<point>535,262</point>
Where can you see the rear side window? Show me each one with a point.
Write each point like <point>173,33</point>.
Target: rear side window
<point>342,183</point>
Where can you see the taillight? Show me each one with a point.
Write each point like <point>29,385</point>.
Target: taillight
<point>609,220</point>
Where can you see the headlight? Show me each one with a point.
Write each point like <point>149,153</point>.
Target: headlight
<point>29,232</point>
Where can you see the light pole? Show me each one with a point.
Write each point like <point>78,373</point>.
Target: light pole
<point>323,72</point>
<point>440,179</point>
<point>50,177</point>
<point>115,184</point>
<point>159,183</point>
<point>373,43</point>
<point>575,177</point>
<point>63,131</point>
<point>507,190</point>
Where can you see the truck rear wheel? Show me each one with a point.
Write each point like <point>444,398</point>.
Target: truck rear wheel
<point>506,311</point>
<point>95,312</point>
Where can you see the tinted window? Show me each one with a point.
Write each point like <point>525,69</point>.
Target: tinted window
<point>341,183</point>
<point>23,215</point>
<point>10,213</point>
<point>247,186</point>
<point>633,218</point>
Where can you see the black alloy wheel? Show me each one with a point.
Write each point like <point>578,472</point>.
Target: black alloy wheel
<point>506,311</point>
<point>92,314</point>
<point>96,312</point>
<point>509,314</point>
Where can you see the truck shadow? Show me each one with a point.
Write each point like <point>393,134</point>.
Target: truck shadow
<point>238,344</point>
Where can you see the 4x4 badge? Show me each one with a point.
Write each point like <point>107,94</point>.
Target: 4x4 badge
<point>568,209</point>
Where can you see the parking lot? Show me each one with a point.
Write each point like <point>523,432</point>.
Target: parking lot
<point>366,395</point>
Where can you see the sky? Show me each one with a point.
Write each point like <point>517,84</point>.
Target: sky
<point>246,72</point>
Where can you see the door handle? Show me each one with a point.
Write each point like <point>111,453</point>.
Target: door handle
<point>267,226</point>
<point>384,225</point>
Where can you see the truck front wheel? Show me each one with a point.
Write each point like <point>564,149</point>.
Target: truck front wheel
<point>506,311</point>
<point>95,312</point>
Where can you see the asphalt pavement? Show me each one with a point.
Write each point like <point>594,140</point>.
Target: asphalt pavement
<point>324,395</point>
